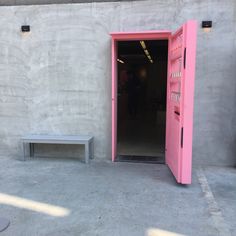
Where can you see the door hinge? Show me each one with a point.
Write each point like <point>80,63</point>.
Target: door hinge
<point>184,57</point>
<point>182,137</point>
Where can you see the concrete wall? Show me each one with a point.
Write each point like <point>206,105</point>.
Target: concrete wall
<point>43,2</point>
<point>57,79</point>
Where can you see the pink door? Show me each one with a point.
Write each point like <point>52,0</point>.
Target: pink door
<point>180,95</point>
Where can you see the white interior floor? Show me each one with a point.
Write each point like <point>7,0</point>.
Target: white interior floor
<point>142,136</point>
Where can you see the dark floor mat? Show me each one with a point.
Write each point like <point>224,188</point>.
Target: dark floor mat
<point>141,159</point>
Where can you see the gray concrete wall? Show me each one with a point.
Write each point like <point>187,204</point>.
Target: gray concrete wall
<point>43,2</point>
<point>57,79</point>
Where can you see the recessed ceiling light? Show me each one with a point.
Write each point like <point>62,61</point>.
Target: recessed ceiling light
<point>143,44</point>
<point>146,51</point>
<point>122,62</point>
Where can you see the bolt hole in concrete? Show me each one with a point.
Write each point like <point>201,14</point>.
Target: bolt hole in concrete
<point>142,81</point>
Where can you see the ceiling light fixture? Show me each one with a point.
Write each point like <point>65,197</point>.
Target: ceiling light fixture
<point>143,44</point>
<point>146,51</point>
<point>122,62</point>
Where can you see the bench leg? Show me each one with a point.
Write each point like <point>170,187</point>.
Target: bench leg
<point>24,151</point>
<point>31,149</point>
<point>87,152</point>
<point>91,149</point>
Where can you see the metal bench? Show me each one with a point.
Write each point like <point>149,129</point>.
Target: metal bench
<point>59,139</point>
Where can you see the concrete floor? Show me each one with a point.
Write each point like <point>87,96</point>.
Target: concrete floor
<point>110,199</point>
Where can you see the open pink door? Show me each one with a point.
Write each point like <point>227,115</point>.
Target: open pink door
<point>180,96</point>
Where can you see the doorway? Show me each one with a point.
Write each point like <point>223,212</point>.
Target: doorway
<point>141,100</point>
<point>179,95</point>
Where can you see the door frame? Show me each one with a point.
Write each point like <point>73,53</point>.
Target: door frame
<point>128,36</point>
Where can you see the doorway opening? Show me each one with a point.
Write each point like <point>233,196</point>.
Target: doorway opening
<point>141,100</point>
<point>179,96</point>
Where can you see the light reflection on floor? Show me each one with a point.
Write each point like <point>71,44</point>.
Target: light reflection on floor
<point>27,204</point>
<point>159,232</point>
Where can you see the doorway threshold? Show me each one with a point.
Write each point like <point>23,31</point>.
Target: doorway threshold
<point>141,159</point>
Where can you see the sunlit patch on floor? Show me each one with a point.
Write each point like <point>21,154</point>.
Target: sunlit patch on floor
<point>40,207</point>
<point>159,232</point>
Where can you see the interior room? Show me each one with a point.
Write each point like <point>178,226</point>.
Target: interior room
<point>141,115</point>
